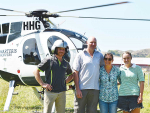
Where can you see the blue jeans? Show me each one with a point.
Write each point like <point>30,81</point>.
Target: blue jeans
<point>108,107</point>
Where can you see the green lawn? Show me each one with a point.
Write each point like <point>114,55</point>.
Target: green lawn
<point>27,102</point>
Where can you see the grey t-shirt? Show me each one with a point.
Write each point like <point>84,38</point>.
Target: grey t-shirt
<point>88,68</point>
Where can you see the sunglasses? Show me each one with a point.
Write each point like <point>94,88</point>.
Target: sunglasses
<point>109,59</point>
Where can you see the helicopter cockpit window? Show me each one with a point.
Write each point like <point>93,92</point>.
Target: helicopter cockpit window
<point>5,28</point>
<point>0,28</point>
<point>76,38</point>
<point>31,53</point>
<point>15,27</point>
<point>77,42</point>
<point>15,31</point>
<point>3,38</point>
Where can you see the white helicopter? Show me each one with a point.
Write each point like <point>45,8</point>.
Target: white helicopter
<point>24,44</point>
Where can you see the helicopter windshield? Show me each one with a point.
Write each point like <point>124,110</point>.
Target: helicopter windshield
<point>78,40</point>
<point>71,34</point>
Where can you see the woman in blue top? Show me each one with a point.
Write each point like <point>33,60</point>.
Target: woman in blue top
<point>130,94</point>
<point>108,96</point>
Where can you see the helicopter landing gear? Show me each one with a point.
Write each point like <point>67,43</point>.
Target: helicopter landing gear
<point>9,96</point>
<point>38,94</point>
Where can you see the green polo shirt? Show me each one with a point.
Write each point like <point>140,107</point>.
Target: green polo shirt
<point>129,80</point>
<point>55,74</point>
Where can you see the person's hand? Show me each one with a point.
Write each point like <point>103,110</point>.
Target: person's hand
<point>139,100</point>
<point>79,93</point>
<point>47,86</point>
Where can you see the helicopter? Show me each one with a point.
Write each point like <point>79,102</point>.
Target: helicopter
<point>24,44</point>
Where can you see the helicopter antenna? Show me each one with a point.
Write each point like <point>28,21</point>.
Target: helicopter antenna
<point>84,34</point>
<point>61,23</point>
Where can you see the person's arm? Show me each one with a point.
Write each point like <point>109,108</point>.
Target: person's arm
<point>118,77</point>
<point>69,78</point>
<point>140,98</point>
<point>40,81</point>
<point>141,80</point>
<point>76,81</point>
<point>102,63</point>
<point>118,83</point>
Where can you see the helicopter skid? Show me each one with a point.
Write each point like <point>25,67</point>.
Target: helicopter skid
<point>41,98</point>
<point>38,95</point>
<point>9,96</point>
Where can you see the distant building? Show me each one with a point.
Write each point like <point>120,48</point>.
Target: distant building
<point>143,62</point>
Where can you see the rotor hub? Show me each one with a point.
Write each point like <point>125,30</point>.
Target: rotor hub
<point>40,11</point>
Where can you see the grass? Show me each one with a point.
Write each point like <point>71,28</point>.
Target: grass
<point>27,102</point>
<point>146,96</point>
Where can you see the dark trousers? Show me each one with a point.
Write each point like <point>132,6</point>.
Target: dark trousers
<point>88,103</point>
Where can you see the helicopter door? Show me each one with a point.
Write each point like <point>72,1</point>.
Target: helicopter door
<point>31,59</point>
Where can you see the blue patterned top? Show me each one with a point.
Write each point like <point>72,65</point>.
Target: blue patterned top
<point>108,84</point>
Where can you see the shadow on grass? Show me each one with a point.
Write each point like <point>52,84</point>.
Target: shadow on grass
<point>26,109</point>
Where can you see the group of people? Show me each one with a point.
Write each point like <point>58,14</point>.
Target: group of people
<point>95,79</point>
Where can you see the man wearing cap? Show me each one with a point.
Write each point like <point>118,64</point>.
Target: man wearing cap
<point>86,65</point>
<point>55,83</point>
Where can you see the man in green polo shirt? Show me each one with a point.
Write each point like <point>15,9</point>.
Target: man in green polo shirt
<point>55,77</point>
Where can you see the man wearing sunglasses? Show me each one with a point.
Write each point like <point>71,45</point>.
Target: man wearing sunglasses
<point>86,65</point>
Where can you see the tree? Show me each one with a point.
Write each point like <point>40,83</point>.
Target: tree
<point>114,52</point>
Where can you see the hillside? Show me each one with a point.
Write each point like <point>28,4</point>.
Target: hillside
<point>139,53</point>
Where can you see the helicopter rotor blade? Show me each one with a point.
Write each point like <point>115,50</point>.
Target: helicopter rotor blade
<point>12,10</point>
<point>12,15</point>
<point>91,7</point>
<point>107,18</point>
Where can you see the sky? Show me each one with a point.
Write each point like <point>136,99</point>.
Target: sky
<point>111,34</point>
